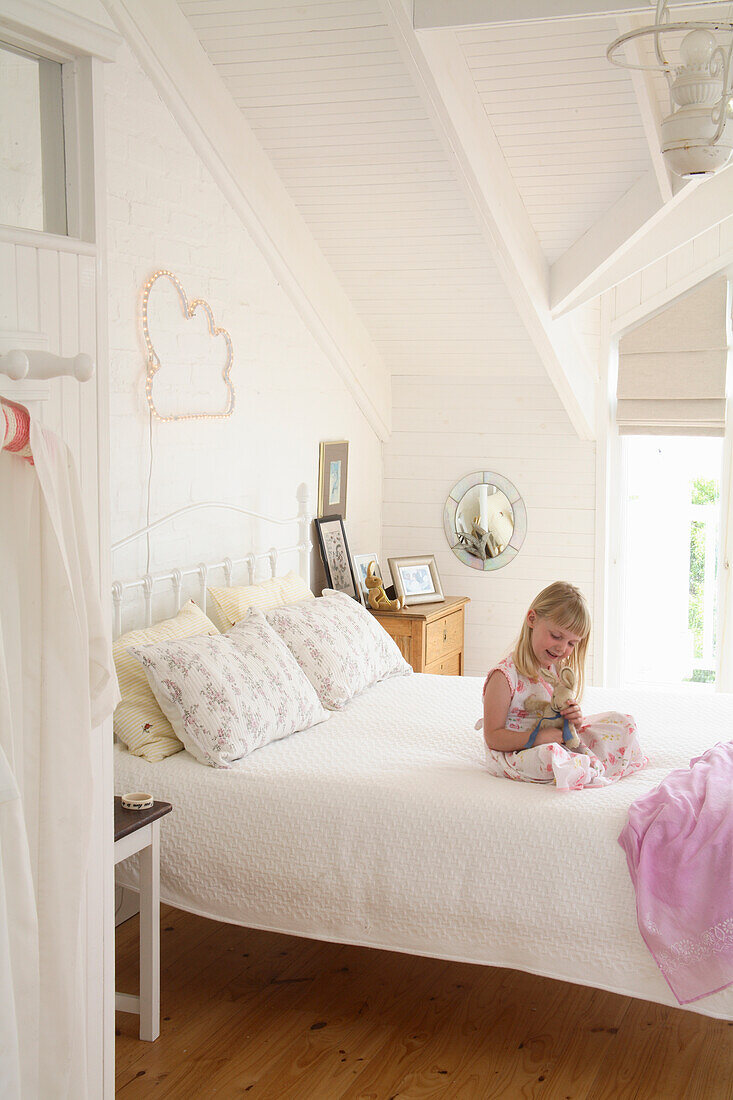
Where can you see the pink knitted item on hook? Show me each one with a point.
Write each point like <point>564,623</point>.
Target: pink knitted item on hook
<point>15,426</point>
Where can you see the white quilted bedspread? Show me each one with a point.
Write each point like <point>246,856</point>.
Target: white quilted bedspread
<point>382,827</point>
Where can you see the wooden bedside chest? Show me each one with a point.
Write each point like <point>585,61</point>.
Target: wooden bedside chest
<point>429,635</point>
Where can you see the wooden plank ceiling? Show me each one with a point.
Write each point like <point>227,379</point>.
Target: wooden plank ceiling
<point>325,90</point>
<point>567,121</point>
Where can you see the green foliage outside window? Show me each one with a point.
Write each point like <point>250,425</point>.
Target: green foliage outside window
<point>704,491</point>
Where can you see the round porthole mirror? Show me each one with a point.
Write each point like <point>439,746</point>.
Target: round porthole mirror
<point>485,520</point>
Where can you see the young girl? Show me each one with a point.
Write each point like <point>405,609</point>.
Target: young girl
<point>554,635</point>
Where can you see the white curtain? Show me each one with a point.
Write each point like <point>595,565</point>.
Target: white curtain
<point>58,685</point>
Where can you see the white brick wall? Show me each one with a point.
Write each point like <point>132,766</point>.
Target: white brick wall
<point>166,211</point>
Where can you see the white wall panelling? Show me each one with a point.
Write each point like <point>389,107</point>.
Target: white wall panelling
<point>446,427</point>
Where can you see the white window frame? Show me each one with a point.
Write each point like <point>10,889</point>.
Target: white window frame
<point>610,513</point>
<point>80,47</point>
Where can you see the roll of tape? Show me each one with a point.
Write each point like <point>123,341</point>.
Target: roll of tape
<point>138,800</point>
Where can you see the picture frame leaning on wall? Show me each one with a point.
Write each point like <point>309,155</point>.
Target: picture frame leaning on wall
<point>333,471</point>
<point>336,556</point>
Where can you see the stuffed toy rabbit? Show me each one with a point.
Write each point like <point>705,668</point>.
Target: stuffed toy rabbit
<point>549,714</point>
<point>378,599</point>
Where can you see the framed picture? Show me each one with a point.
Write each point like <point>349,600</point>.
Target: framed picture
<point>361,565</point>
<point>416,580</point>
<point>332,476</point>
<point>335,554</point>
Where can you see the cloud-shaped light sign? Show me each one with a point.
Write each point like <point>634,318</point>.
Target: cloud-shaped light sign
<point>154,363</point>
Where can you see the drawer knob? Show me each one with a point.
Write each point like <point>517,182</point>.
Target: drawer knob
<point>445,633</point>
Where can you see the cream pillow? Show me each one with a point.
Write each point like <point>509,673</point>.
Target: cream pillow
<point>234,603</point>
<point>139,722</point>
<point>231,694</point>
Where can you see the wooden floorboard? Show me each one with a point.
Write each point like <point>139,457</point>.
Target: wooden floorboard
<point>262,1016</point>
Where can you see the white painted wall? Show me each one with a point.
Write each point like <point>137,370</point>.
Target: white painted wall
<point>166,211</point>
<point>446,426</point>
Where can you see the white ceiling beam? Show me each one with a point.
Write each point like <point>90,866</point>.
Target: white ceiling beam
<point>441,75</point>
<point>580,266</point>
<point>703,204</point>
<point>171,55</point>
<point>434,14</point>
<point>646,99</point>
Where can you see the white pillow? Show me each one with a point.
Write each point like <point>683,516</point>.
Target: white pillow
<point>230,694</point>
<point>341,648</point>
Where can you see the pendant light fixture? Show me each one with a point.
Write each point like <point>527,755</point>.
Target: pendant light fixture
<point>695,57</point>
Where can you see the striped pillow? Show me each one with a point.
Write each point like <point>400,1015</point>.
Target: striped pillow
<point>234,603</point>
<point>139,722</point>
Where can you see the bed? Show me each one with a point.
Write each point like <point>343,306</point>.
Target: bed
<point>381,827</point>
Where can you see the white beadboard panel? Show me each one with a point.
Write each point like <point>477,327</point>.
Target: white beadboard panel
<point>26,267</point>
<point>444,428</point>
<point>324,88</point>
<point>9,296</point>
<point>566,119</point>
<point>52,294</point>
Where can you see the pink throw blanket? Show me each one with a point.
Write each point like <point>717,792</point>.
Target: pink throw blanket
<point>679,847</point>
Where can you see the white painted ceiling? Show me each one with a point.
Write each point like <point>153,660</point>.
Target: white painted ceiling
<point>333,98</point>
<point>325,89</point>
<point>566,120</point>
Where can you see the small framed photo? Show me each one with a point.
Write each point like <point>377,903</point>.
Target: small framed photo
<point>335,554</point>
<point>416,580</point>
<point>332,476</point>
<point>361,565</point>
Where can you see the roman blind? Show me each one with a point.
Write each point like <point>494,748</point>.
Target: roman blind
<point>672,368</point>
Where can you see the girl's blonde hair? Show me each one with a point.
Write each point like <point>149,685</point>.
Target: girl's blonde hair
<point>566,606</point>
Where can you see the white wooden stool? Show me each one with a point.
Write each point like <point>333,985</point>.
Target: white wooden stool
<point>138,831</point>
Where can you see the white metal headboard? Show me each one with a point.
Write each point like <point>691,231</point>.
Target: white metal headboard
<point>151,584</point>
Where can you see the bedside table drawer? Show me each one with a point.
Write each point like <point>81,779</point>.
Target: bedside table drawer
<point>429,636</point>
<point>443,637</point>
<point>449,666</point>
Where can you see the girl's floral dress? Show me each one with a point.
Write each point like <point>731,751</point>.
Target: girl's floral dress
<point>608,751</point>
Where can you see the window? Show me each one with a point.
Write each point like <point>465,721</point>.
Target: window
<point>32,168</point>
<point>669,538</point>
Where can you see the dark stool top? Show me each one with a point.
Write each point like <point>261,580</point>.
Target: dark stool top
<point>129,821</point>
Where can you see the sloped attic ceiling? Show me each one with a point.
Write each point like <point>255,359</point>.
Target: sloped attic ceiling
<point>328,95</point>
<point>462,179</point>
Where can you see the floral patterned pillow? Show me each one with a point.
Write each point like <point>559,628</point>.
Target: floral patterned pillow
<point>232,693</point>
<point>341,648</point>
